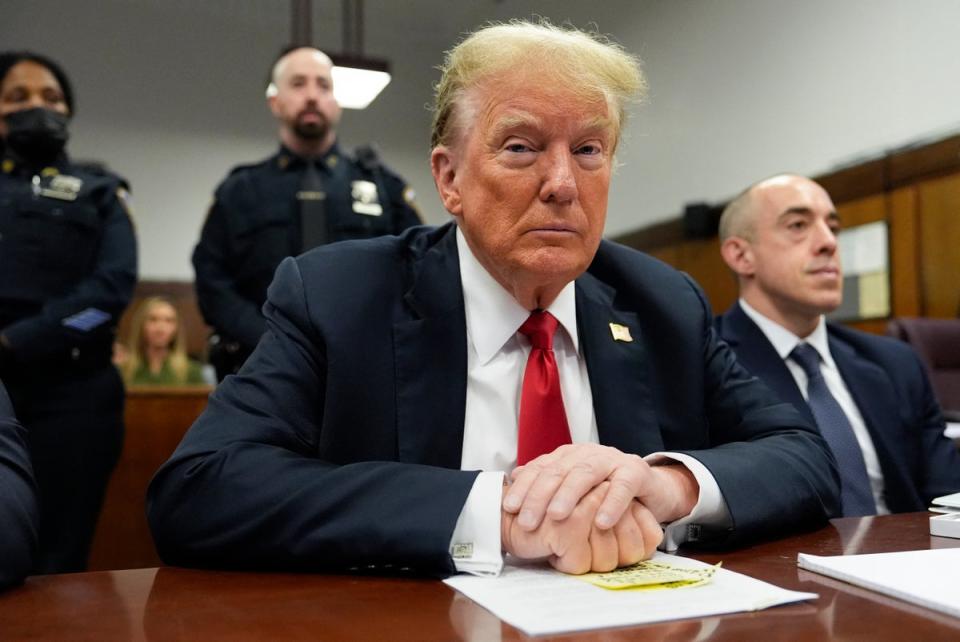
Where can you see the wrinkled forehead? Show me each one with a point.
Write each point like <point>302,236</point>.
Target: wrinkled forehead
<point>529,99</point>
<point>783,194</point>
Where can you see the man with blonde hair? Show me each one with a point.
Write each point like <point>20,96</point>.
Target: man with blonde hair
<point>506,382</point>
<point>869,395</point>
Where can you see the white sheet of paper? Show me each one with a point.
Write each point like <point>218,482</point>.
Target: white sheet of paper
<point>927,578</point>
<point>872,247</point>
<point>863,248</point>
<point>539,600</point>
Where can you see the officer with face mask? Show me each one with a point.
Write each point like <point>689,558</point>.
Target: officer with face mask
<point>67,271</point>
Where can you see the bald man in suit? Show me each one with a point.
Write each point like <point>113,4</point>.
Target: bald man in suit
<point>780,237</point>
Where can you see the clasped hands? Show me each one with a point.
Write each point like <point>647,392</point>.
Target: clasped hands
<point>587,507</point>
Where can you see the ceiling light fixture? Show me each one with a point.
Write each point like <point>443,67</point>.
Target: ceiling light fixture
<point>357,79</point>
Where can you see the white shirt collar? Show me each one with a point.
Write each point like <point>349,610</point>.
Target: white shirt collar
<point>784,341</point>
<point>493,315</point>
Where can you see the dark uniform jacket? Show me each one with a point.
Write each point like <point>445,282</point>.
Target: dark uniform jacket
<point>892,391</point>
<point>339,443</point>
<point>68,265</point>
<point>254,223</point>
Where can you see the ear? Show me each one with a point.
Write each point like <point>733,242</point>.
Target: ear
<point>443,165</point>
<point>272,104</point>
<point>737,253</point>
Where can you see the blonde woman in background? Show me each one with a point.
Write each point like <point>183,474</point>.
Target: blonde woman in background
<point>155,352</point>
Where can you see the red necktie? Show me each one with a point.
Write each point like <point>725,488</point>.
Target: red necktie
<point>543,421</point>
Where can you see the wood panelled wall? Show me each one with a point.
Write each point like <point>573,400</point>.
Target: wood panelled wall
<point>156,419</point>
<point>917,191</point>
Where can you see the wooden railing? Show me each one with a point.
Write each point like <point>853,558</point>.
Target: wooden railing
<point>156,419</point>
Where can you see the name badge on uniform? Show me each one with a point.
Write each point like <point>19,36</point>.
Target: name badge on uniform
<point>365,200</point>
<point>62,187</point>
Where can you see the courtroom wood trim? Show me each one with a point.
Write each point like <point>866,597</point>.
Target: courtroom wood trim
<point>916,190</point>
<point>149,391</point>
<point>927,161</point>
<point>939,223</point>
<point>654,236</point>
<point>904,237</point>
<point>155,419</point>
<point>898,168</point>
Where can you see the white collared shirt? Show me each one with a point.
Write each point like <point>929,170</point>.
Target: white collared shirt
<point>784,342</point>
<point>496,360</point>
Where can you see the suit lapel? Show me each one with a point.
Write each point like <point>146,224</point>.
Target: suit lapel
<point>430,345</point>
<point>757,354</point>
<point>618,371</point>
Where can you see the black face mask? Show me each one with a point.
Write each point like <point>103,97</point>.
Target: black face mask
<point>36,135</point>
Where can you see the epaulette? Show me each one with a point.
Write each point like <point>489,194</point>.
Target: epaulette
<point>98,168</point>
<point>244,167</point>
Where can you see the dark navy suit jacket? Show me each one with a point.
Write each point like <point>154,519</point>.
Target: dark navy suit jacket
<point>338,445</point>
<point>891,389</point>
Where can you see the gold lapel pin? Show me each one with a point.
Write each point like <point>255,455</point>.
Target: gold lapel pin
<point>620,333</point>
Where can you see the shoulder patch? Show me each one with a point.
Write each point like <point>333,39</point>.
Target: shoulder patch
<point>409,196</point>
<point>236,169</point>
<point>124,198</point>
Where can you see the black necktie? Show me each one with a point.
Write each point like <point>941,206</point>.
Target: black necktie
<point>313,218</point>
<point>855,492</point>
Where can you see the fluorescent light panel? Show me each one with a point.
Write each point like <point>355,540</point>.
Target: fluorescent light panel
<point>355,88</point>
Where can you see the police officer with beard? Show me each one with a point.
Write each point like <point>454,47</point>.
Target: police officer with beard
<point>307,194</point>
<point>67,271</point>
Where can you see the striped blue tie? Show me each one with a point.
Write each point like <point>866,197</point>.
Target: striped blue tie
<point>855,493</point>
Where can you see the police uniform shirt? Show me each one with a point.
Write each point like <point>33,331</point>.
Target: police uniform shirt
<point>254,223</point>
<point>68,259</point>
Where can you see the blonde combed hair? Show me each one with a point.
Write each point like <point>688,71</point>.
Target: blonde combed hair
<point>587,63</point>
<point>177,359</point>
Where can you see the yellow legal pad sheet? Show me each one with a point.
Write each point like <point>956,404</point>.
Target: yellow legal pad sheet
<point>651,576</point>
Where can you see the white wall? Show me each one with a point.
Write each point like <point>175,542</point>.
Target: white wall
<point>170,92</point>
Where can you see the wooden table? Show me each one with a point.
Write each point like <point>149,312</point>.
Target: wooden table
<point>183,604</point>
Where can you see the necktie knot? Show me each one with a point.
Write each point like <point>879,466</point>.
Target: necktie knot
<point>313,217</point>
<point>807,357</point>
<point>312,170</point>
<point>540,327</point>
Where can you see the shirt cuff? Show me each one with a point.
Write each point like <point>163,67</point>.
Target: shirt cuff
<point>710,509</point>
<point>475,545</point>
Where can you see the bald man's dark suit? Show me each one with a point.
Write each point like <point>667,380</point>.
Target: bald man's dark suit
<point>892,391</point>
<point>339,443</point>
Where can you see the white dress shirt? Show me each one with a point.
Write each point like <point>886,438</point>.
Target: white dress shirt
<point>784,342</point>
<point>496,360</point>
